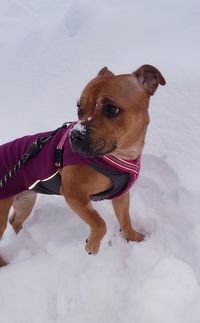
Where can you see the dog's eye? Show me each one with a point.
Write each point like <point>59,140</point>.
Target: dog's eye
<point>111,111</point>
<point>78,104</point>
<point>79,110</point>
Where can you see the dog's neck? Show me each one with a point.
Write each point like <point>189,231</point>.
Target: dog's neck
<point>131,153</point>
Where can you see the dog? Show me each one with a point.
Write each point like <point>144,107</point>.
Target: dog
<point>100,155</point>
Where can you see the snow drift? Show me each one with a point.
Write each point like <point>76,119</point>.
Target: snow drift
<point>49,50</point>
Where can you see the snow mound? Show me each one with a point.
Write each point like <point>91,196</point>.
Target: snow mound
<point>49,50</point>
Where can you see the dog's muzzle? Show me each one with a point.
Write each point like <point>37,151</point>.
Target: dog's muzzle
<point>82,142</point>
<point>79,141</point>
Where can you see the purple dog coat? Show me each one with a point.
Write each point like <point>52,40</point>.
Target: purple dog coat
<point>42,175</point>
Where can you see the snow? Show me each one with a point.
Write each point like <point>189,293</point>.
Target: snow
<point>80,128</point>
<point>49,50</point>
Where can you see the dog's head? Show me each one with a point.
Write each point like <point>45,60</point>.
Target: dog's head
<point>113,113</point>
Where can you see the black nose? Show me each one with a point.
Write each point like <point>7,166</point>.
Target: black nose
<point>78,140</point>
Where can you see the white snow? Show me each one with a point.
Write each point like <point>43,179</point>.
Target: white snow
<point>48,51</point>
<point>79,127</point>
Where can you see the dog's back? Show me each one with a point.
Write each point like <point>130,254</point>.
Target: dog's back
<point>41,166</point>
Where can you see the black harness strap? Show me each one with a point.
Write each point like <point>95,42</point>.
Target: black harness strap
<point>29,154</point>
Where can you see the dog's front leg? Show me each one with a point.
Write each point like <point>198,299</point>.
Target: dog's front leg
<point>83,207</point>
<point>121,208</point>
<point>79,183</point>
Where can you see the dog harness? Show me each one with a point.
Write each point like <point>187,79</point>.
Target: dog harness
<point>42,172</point>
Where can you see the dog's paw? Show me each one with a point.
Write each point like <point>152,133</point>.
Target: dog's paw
<point>3,262</point>
<point>133,235</point>
<point>92,246</point>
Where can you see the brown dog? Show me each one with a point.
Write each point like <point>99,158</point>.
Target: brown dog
<point>113,112</point>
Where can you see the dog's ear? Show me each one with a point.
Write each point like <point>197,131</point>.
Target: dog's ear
<point>149,77</point>
<point>105,72</point>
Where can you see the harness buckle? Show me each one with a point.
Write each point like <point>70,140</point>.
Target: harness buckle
<point>59,157</point>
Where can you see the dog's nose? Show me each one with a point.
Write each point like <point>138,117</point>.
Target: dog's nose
<point>77,139</point>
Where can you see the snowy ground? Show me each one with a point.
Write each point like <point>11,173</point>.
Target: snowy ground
<point>48,51</point>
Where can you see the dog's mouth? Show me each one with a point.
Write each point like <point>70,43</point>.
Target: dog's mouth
<point>82,143</point>
<point>98,151</point>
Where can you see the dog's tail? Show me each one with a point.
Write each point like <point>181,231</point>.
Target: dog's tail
<point>2,262</point>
